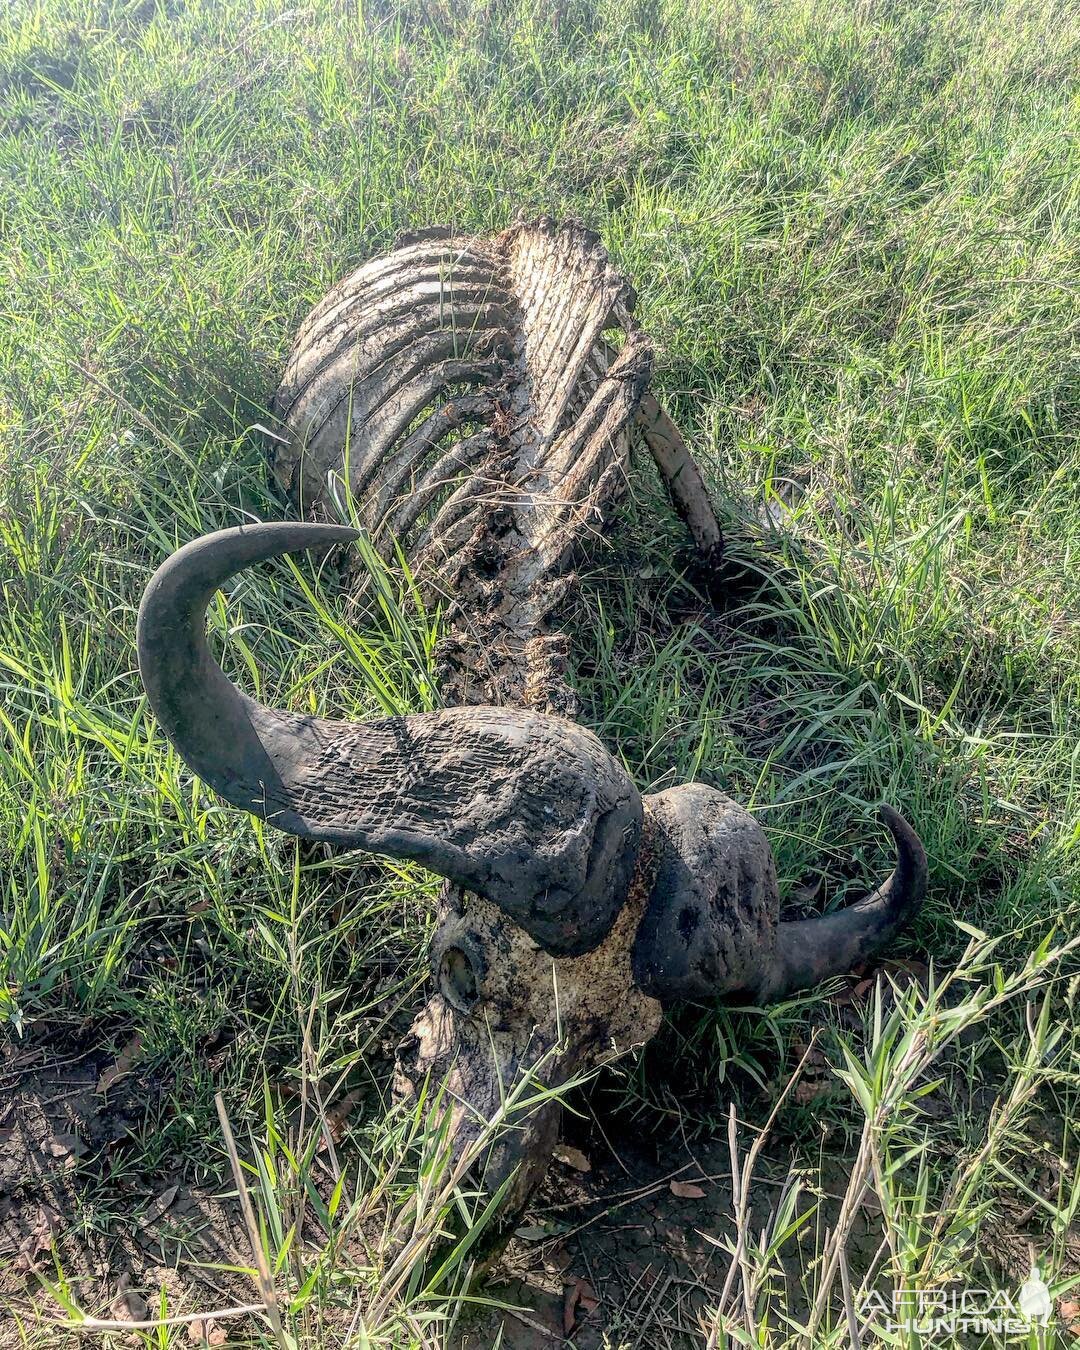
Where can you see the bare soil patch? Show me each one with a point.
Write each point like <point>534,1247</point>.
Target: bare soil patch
<point>71,1133</point>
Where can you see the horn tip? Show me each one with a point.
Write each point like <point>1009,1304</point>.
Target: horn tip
<point>908,843</point>
<point>888,815</point>
<point>309,534</point>
<point>891,818</point>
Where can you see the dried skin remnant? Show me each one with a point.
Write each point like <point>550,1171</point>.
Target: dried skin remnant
<point>561,874</point>
<point>463,389</point>
<point>506,1011</point>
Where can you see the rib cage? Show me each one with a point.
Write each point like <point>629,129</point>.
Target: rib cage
<point>464,389</point>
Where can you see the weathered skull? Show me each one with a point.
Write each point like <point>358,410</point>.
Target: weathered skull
<point>575,907</point>
<point>477,398</point>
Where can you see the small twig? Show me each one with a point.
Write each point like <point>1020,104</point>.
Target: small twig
<point>641,1194</point>
<point>603,1135</point>
<point>740,1185</point>
<point>181,1319</point>
<point>860,1180</point>
<point>531,1322</point>
<point>634,1192</point>
<point>849,1304</point>
<point>740,1193</point>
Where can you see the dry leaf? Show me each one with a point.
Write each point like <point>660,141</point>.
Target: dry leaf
<point>158,1208</point>
<point>531,1232</point>
<point>686,1190</point>
<point>557,1260</point>
<point>579,1297</point>
<point>218,1039</point>
<point>128,1305</point>
<point>1069,1312</point>
<point>817,1081</point>
<point>917,971</point>
<point>68,1146</point>
<point>572,1157</point>
<point>337,1117</point>
<point>808,893</point>
<point>808,1090</point>
<point>38,1240</point>
<point>853,994</point>
<point>206,1333</point>
<point>125,1061</point>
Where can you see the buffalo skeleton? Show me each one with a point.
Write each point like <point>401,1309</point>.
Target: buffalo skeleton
<point>478,400</point>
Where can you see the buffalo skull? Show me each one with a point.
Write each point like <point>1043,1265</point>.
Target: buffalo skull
<point>575,908</point>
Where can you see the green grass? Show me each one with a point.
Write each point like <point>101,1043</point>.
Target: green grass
<point>854,233</point>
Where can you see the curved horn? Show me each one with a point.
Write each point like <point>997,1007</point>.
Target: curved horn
<point>810,950</point>
<point>710,927</point>
<point>528,810</point>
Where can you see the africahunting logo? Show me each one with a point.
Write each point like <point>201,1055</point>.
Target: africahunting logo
<point>949,1312</point>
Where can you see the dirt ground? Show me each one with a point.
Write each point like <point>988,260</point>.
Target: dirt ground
<point>613,1252</point>
<point>624,1241</point>
<point>68,1186</point>
<point>627,1243</point>
<point>637,1265</point>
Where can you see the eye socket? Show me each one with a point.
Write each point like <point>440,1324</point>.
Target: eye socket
<point>458,979</point>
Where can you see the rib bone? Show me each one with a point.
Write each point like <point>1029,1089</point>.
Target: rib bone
<point>373,393</point>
